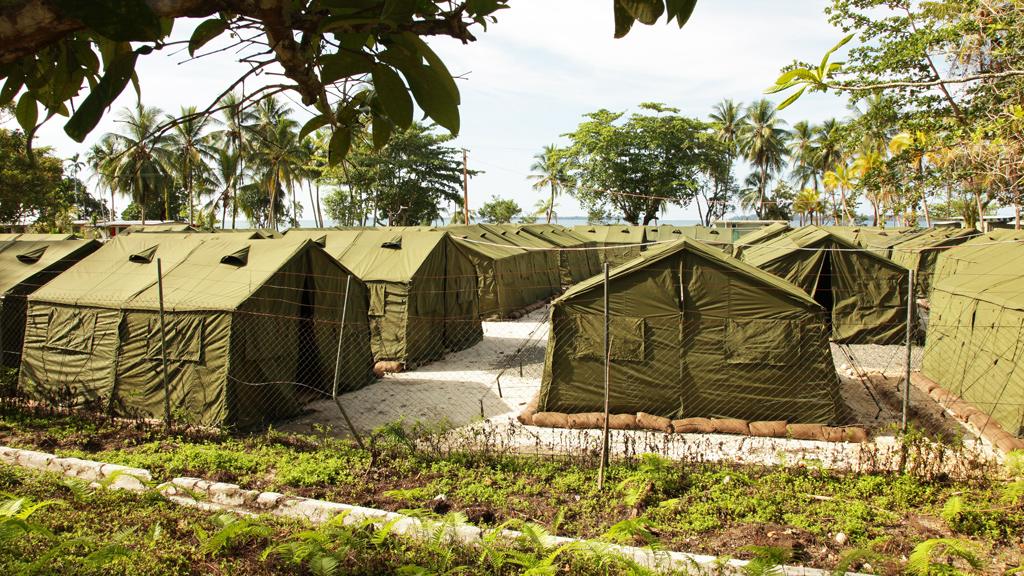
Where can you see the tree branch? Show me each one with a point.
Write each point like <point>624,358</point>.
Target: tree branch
<point>925,83</point>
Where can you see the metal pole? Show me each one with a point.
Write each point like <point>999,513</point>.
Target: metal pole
<point>465,186</point>
<point>337,366</point>
<point>910,344</point>
<point>163,343</point>
<point>607,380</point>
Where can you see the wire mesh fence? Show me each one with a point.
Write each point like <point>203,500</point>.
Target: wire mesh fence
<point>689,342</point>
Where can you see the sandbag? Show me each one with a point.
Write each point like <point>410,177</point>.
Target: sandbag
<point>526,416</point>
<point>768,428</point>
<point>730,426</point>
<point>856,434</point>
<point>979,419</point>
<point>551,419</point>
<point>1006,442</point>
<point>941,396</point>
<point>692,426</point>
<point>387,367</point>
<point>622,422</point>
<point>585,420</point>
<point>834,433</point>
<point>647,421</point>
<point>806,431</point>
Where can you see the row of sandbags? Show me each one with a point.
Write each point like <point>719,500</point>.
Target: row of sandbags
<point>969,413</point>
<point>644,421</point>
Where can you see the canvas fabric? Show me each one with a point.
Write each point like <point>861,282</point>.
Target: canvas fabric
<point>694,333</point>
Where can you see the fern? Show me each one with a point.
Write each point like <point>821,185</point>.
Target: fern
<point>953,508</point>
<point>766,559</point>
<point>852,558</point>
<point>629,531</point>
<point>922,559</point>
<point>233,531</point>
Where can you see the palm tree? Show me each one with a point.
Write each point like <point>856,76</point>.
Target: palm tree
<point>278,154</point>
<point>141,156</point>
<point>829,151</point>
<point>193,149</point>
<point>807,201</point>
<point>101,159</point>
<point>867,168</point>
<point>763,141</point>
<point>842,178</point>
<point>728,121</point>
<point>916,146</point>
<point>226,177</point>
<point>549,172</point>
<point>803,150</point>
<point>237,122</point>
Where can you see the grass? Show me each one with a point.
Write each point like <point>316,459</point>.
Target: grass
<point>714,509</point>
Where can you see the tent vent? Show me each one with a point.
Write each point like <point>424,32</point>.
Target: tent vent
<point>712,231</point>
<point>144,257</point>
<point>237,258</point>
<point>591,230</point>
<point>677,231</point>
<point>321,240</point>
<point>394,244</point>
<point>32,256</point>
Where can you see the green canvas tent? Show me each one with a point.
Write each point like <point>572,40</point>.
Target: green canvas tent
<point>721,239</point>
<point>577,257</point>
<point>975,330</point>
<point>164,227</point>
<point>25,266</point>
<point>979,250</point>
<point>509,278</point>
<point>618,242</point>
<point>866,293</point>
<point>694,333</point>
<point>877,240</point>
<point>251,327</point>
<point>921,253</point>
<point>548,255</point>
<point>759,236</point>
<point>423,289</point>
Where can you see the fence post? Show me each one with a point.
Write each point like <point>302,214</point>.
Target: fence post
<point>607,381</point>
<point>910,346</point>
<point>163,343</point>
<point>337,366</point>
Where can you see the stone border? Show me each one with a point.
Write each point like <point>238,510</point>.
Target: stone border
<point>219,496</point>
<point>975,420</point>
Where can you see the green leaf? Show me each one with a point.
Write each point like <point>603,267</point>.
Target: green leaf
<point>114,80</point>
<point>680,10</point>
<point>122,20</point>
<point>315,123</point>
<point>334,67</point>
<point>381,131</point>
<point>206,31</point>
<point>435,63</point>
<point>785,103</point>
<point>433,97</point>
<point>341,141</point>
<point>398,11</point>
<point>27,112</point>
<point>393,96</point>
<point>824,59</point>
<point>10,90</point>
<point>646,11</point>
<point>623,20</point>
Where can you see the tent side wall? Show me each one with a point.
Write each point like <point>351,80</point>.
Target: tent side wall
<point>723,347</point>
<point>70,354</point>
<point>870,299</point>
<point>462,327</point>
<point>973,350</point>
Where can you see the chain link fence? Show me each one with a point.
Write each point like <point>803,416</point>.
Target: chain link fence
<point>687,346</point>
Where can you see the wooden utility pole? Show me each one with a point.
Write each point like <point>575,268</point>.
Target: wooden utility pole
<point>465,186</point>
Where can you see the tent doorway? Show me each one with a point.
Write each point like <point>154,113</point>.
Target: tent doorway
<point>823,287</point>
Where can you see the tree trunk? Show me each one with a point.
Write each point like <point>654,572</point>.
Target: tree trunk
<point>846,211</point>
<point>224,210</point>
<point>981,213</point>
<point>760,189</point>
<point>551,203</point>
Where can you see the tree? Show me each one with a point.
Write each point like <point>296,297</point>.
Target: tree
<point>762,141</point>
<point>550,172</point>
<point>808,203</point>
<point>278,156</point>
<point>842,178</point>
<point>499,210</point>
<point>346,59</point>
<point>404,182</point>
<point>829,151</point>
<point>27,185</point>
<point>639,166</point>
<point>139,159</point>
<point>193,148</point>
<point>727,121</point>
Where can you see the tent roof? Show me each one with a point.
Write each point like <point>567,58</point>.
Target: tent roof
<point>518,237</point>
<point>148,228</point>
<point>877,238</point>
<point>806,237</point>
<point>612,233</point>
<point>668,232</point>
<point>997,272</point>
<point>21,260</point>
<point>484,241</point>
<point>763,234</point>
<point>703,250</point>
<point>199,273</point>
<point>933,238</point>
<point>556,235</point>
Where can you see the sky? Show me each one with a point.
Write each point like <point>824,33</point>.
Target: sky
<point>532,76</point>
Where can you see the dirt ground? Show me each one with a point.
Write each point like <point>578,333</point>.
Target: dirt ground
<point>482,389</point>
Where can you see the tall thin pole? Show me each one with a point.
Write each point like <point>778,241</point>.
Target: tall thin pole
<point>607,380</point>
<point>910,344</point>
<point>465,186</point>
<point>337,366</point>
<point>163,343</point>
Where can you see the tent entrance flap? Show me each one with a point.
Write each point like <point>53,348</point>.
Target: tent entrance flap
<point>823,287</point>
